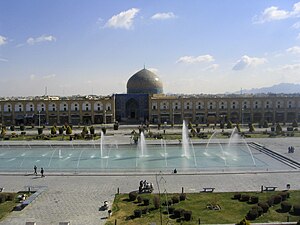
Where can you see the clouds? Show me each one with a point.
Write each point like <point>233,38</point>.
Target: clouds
<point>123,20</point>
<point>294,50</point>
<point>195,59</point>
<point>3,40</point>
<point>43,38</point>
<point>274,13</point>
<point>247,61</point>
<point>45,77</point>
<point>163,16</point>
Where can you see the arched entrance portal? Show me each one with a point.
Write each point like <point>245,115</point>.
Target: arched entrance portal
<point>132,110</point>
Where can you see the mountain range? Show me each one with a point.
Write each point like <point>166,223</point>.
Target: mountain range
<point>282,88</point>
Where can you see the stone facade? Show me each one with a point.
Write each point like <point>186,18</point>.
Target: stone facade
<point>46,110</point>
<point>157,108</point>
<point>217,108</point>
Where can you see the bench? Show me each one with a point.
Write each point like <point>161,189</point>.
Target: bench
<point>267,188</point>
<point>208,189</point>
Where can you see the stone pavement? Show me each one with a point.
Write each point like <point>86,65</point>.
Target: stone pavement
<point>77,198</point>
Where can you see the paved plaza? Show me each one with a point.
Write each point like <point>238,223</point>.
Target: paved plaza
<point>76,198</point>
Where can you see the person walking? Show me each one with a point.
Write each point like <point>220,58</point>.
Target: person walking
<point>35,170</point>
<point>42,172</point>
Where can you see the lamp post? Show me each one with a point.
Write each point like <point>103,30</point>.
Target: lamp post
<point>39,118</point>
<point>104,119</point>
<point>242,116</point>
<point>172,117</point>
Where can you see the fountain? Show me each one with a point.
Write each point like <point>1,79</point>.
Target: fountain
<point>142,146</point>
<point>185,141</point>
<point>219,154</point>
<point>101,144</point>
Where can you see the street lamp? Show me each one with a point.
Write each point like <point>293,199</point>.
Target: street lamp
<point>104,119</point>
<point>39,119</point>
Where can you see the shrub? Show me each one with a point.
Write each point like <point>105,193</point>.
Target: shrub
<point>259,209</point>
<point>103,130</point>
<point>146,201</point>
<point>133,195</point>
<point>243,222</point>
<point>175,199</point>
<point>178,213</point>
<point>254,199</point>
<point>170,202</point>
<point>182,196</point>
<point>286,206</point>
<point>22,128</point>
<point>264,206</point>
<point>244,198</point>
<point>284,195</point>
<point>2,198</point>
<point>171,210</point>
<point>139,199</point>
<point>156,202</point>
<point>187,215</point>
<point>277,199</point>
<point>252,214</point>
<point>237,196</point>
<point>145,210</point>
<point>9,197</point>
<point>12,127</point>
<point>296,209</point>
<point>270,201</point>
<point>137,213</point>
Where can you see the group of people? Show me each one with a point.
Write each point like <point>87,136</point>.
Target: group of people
<point>144,185</point>
<point>291,149</point>
<point>35,171</point>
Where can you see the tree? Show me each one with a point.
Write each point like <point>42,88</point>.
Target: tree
<point>92,130</point>
<point>229,124</point>
<point>69,130</point>
<point>61,130</point>
<point>238,127</point>
<point>251,127</point>
<point>22,128</point>
<point>84,131</point>
<point>3,131</point>
<point>265,124</point>
<point>278,129</point>
<point>53,130</point>
<point>295,123</point>
<point>40,131</point>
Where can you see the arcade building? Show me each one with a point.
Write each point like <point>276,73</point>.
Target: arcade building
<point>146,102</point>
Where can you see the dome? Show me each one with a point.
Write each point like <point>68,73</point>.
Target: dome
<point>144,82</point>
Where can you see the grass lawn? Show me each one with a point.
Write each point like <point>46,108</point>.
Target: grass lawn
<point>7,206</point>
<point>232,211</point>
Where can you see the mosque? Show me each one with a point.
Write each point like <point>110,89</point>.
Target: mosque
<point>146,102</point>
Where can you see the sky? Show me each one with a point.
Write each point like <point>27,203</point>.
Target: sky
<point>71,47</point>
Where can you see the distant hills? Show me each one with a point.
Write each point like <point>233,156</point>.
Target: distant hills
<point>284,88</point>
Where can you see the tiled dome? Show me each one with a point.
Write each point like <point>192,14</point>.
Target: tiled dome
<point>144,82</point>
